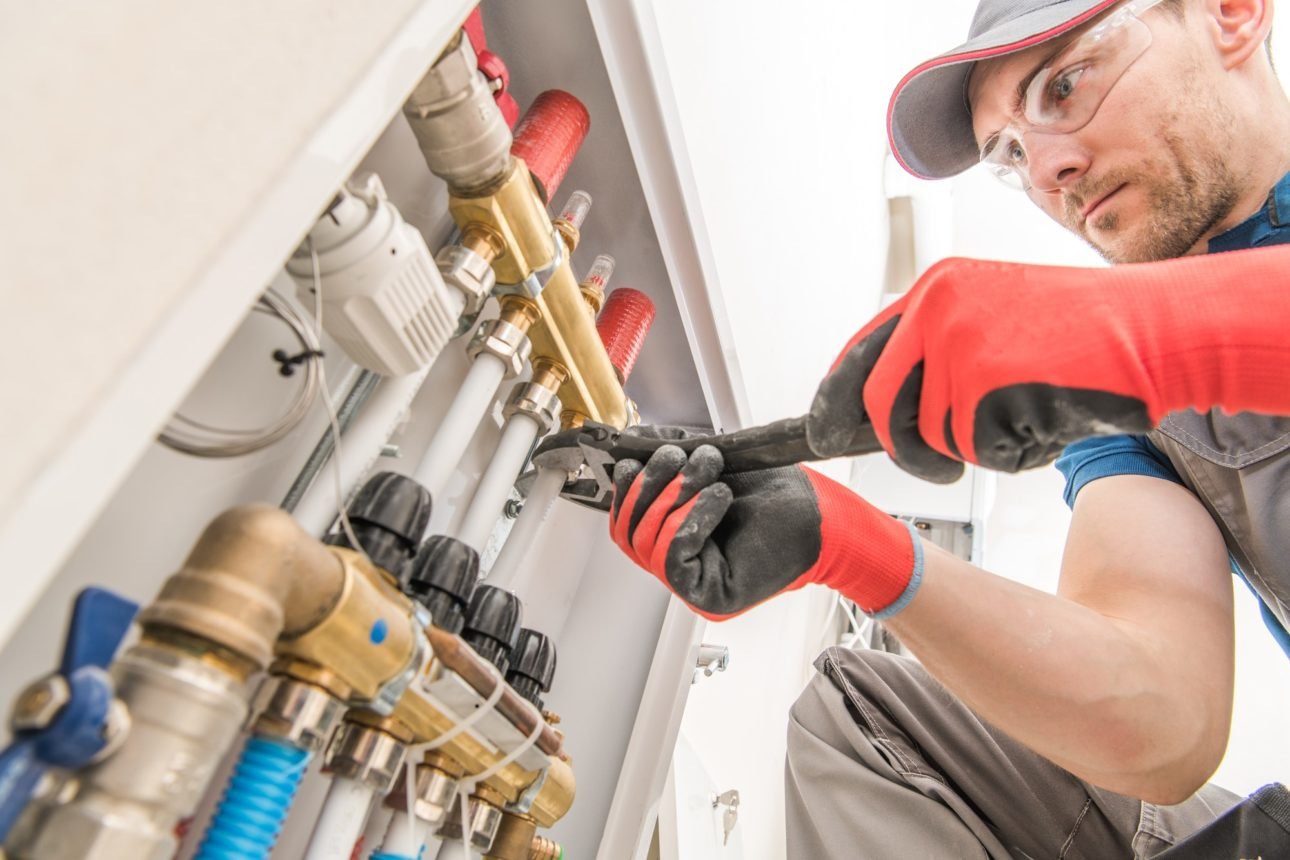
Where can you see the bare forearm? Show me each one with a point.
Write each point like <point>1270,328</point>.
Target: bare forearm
<point>1094,694</point>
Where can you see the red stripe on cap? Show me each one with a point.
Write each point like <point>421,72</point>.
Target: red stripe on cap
<point>973,56</point>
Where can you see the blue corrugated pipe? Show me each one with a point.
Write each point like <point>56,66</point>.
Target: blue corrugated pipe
<point>255,802</point>
<point>384,856</point>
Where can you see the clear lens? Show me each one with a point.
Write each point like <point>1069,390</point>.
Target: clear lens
<point>1069,89</point>
<point>1066,93</point>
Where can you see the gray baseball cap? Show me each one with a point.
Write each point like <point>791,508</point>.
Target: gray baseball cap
<point>929,123</point>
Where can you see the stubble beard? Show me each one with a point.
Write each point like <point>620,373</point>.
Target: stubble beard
<point>1183,204</point>
<point>1189,190</point>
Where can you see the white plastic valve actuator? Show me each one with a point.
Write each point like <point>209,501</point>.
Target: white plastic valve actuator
<point>383,300</point>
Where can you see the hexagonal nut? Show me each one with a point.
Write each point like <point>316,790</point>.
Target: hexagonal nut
<point>38,704</point>
<point>464,270</point>
<point>367,755</point>
<point>435,793</point>
<point>296,712</point>
<point>537,402</point>
<point>452,74</point>
<point>503,340</point>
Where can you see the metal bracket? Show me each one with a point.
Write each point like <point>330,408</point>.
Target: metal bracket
<point>532,286</point>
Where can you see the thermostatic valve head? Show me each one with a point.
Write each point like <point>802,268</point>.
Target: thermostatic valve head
<point>298,713</point>
<point>382,297</point>
<point>503,340</point>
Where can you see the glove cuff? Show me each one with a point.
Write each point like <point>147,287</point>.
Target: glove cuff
<point>865,554</point>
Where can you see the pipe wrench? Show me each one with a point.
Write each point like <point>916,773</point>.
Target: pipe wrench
<point>589,453</point>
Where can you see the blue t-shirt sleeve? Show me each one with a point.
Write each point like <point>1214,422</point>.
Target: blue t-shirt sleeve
<point>1102,456</point>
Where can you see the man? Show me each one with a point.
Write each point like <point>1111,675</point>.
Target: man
<point>1081,724</point>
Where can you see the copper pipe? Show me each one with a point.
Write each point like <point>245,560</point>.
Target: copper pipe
<point>456,655</point>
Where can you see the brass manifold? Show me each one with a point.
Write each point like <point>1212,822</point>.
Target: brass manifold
<point>257,588</point>
<point>506,223</point>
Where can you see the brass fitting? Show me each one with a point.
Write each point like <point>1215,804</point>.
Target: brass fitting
<point>514,840</point>
<point>368,638</point>
<point>253,574</point>
<point>545,849</point>
<point>536,269</point>
<point>537,398</point>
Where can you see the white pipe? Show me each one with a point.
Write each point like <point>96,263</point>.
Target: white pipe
<point>378,824</point>
<point>360,446</point>
<point>496,482</point>
<point>510,569</point>
<point>460,421</point>
<point>341,821</point>
<point>405,839</point>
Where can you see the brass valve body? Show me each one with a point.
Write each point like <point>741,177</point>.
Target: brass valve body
<point>565,333</point>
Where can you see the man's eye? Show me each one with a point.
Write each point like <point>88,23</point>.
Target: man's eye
<point>1063,86</point>
<point>1014,154</point>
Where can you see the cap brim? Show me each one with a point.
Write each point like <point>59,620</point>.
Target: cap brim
<point>929,123</point>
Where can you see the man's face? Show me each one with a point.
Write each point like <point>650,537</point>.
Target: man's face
<point>1147,177</point>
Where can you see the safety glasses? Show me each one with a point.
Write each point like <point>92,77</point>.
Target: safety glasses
<point>1065,93</point>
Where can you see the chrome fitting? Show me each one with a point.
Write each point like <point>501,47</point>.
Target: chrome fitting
<point>184,715</point>
<point>532,286</point>
<point>296,712</point>
<point>365,754</point>
<point>503,340</point>
<point>537,402</point>
<point>435,791</point>
<point>469,273</point>
<point>462,132</point>
<point>484,821</point>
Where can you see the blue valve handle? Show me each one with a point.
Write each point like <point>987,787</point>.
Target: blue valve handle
<point>100,620</point>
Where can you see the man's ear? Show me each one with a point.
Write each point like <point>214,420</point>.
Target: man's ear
<point>1239,28</point>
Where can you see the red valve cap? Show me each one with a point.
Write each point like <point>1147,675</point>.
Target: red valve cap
<point>548,138</point>
<point>622,325</point>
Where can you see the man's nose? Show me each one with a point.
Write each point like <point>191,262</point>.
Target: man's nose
<point>1055,160</point>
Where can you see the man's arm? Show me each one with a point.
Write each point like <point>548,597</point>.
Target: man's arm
<point>1125,677</point>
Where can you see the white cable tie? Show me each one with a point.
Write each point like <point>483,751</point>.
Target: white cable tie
<point>466,785</point>
<point>465,723</point>
<point>331,407</point>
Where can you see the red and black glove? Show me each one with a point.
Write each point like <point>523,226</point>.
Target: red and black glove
<point>1005,364</point>
<point>724,543</point>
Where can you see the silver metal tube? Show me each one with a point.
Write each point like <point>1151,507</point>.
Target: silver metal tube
<point>365,383</point>
<point>368,432</point>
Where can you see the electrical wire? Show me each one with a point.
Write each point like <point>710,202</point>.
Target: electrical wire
<point>199,439</point>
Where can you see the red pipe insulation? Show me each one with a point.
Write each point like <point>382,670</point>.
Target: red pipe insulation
<point>622,325</point>
<point>548,138</point>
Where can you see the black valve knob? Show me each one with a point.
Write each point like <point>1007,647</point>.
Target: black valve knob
<point>532,665</point>
<point>388,515</point>
<point>493,624</point>
<point>443,577</point>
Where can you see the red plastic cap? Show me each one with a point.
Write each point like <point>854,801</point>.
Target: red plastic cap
<point>548,138</point>
<point>622,326</point>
